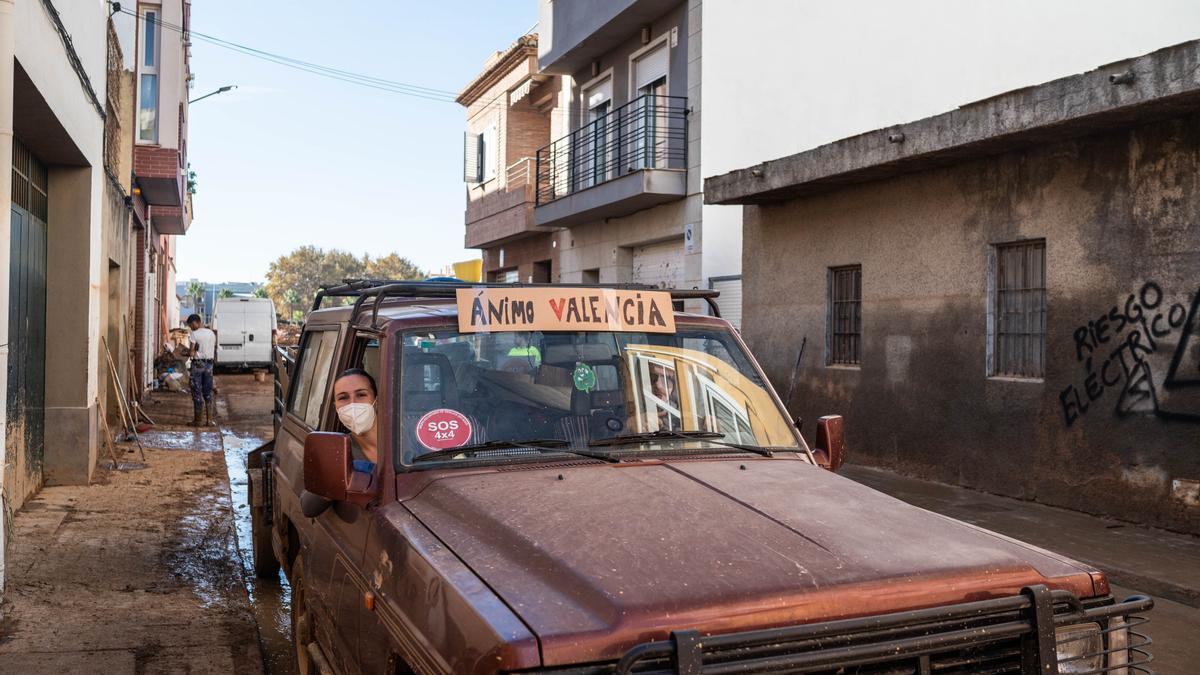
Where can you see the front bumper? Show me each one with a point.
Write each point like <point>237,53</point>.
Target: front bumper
<point>1015,634</point>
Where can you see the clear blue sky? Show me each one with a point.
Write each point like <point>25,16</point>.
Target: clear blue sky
<point>289,158</point>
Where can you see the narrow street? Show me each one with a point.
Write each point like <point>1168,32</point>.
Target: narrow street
<point>150,566</point>
<point>147,570</point>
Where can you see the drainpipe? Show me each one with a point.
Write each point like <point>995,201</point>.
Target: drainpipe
<point>7,55</point>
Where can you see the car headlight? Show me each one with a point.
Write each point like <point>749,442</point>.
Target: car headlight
<point>1080,648</point>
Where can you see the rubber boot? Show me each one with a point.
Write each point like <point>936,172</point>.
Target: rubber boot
<point>196,415</point>
<point>210,413</point>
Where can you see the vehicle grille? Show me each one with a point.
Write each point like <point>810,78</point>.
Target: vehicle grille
<point>986,659</point>
<point>1005,635</point>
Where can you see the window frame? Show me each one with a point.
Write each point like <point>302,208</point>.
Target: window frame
<point>488,151</point>
<point>149,57</point>
<point>299,381</point>
<point>650,47</point>
<point>832,333</point>
<point>995,310</point>
<point>591,134</point>
<point>649,398</point>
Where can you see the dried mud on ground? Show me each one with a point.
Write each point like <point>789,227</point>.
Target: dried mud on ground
<point>138,572</point>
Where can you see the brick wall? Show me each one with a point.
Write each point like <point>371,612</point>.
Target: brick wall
<point>155,162</point>
<point>521,254</point>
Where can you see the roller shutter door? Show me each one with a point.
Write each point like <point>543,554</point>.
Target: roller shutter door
<point>659,264</point>
<point>730,300</point>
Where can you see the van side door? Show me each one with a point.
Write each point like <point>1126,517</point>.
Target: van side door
<point>231,332</point>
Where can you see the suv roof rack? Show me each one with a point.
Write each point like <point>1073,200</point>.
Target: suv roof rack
<point>445,287</point>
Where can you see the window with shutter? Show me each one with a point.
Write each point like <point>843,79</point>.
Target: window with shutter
<point>845,316</point>
<point>472,153</point>
<point>1017,300</point>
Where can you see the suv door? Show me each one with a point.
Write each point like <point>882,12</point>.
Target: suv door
<point>323,540</point>
<point>371,636</point>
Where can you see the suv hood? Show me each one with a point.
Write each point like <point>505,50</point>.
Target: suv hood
<point>597,558</point>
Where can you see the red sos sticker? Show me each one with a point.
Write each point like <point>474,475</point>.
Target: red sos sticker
<point>443,428</point>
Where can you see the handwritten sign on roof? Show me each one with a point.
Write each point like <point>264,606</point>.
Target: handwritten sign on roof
<point>491,310</point>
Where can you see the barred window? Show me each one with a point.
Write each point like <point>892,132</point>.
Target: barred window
<point>845,315</point>
<point>29,183</point>
<point>1019,305</point>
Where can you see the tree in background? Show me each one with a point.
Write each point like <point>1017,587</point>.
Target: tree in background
<point>261,292</point>
<point>225,293</point>
<point>392,266</point>
<point>307,268</point>
<point>292,298</point>
<point>195,289</point>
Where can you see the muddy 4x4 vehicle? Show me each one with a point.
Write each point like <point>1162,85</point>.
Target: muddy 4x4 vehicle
<point>583,480</point>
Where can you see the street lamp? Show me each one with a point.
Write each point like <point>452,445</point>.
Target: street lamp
<point>222,90</point>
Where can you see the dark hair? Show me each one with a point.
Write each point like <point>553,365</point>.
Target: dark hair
<point>194,317</point>
<point>359,371</point>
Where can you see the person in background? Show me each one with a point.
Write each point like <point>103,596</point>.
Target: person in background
<point>662,385</point>
<point>354,397</point>
<point>523,357</point>
<point>203,346</point>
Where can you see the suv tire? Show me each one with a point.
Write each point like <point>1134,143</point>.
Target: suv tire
<point>302,632</point>
<point>265,564</point>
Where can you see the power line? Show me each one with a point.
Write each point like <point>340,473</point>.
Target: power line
<point>312,68</point>
<point>349,77</point>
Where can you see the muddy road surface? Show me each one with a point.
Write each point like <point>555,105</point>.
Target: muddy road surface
<point>138,572</point>
<point>244,419</point>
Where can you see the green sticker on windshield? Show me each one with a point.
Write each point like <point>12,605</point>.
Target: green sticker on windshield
<point>584,377</point>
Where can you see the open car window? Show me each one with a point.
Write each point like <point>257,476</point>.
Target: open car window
<point>578,387</point>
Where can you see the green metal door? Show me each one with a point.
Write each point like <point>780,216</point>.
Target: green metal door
<point>27,314</point>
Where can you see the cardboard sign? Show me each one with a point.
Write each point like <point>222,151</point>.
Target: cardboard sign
<point>492,310</point>
<point>443,428</point>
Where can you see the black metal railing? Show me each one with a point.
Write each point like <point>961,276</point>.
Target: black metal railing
<point>649,132</point>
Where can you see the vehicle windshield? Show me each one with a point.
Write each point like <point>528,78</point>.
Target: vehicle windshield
<point>580,388</point>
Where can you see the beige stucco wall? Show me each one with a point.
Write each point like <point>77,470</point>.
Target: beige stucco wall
<point>75,234</point>
<point>1117,211</point>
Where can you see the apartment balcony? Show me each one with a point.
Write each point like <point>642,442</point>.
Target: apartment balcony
<point>632,158</point>
<point>160,176</point>
<point>505,213</point>
<point>573,34</point>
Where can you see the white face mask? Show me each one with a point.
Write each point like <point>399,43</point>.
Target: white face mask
<point>358,417</point>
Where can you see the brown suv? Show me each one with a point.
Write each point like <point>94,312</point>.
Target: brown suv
<point>574,479</point>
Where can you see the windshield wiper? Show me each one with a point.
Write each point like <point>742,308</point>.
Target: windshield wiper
<point>688,435</point>
<point>543,445</point>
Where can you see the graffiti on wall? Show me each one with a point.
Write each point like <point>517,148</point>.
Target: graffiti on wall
<point>1147,350</point>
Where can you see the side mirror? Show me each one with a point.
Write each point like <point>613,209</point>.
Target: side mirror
<point>329,473</point>
<point>829,448</point>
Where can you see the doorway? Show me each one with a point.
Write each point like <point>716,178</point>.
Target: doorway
<point>26,404</point>
<point>112,336</point>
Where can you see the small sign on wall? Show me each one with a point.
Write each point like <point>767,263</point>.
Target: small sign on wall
<point>689,238</point>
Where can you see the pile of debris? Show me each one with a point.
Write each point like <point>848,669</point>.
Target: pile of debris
<point>170,366</point>
<point>288,334</point>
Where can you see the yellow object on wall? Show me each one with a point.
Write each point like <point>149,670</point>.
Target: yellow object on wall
<point>469,270</point>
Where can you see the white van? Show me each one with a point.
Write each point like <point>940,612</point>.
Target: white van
<point>245,330</point>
